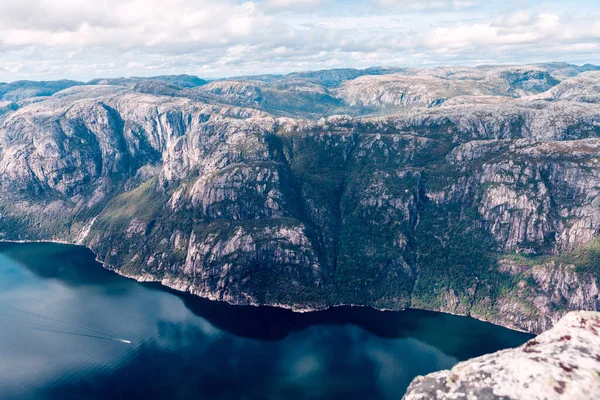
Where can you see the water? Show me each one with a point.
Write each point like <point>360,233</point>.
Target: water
<point>70,329</point>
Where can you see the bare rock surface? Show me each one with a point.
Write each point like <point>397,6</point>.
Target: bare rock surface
<point>474,191</point>
<point>561,363</point>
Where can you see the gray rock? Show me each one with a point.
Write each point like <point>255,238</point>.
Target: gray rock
<point>485,204</point>
<point>561,363</point>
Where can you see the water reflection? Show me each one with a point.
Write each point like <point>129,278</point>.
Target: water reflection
<point>185,347</point>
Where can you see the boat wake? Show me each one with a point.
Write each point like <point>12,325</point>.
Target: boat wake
<point>48,324</point>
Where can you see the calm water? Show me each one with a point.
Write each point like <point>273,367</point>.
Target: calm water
<point>65,323</point>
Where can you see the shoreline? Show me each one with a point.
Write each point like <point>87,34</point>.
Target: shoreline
<point>291,308</point>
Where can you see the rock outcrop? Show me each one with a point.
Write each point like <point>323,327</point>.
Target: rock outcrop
<point>561,363</point>
<point>488,208</point>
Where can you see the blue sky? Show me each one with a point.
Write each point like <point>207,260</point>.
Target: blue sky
<point>77,39</point>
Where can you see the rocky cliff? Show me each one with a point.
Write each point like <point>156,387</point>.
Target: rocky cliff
<point>480,201</point>
<point>562,363</point>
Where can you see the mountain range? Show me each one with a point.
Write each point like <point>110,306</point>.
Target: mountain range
<point>473,191</point>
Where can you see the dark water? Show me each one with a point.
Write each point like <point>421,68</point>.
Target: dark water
<point>64,320</point>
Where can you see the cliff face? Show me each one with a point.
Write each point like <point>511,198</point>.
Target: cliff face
<point>561,363</point>
<point>488,208</point>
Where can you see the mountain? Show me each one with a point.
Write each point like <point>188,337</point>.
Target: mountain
<point>582,88</point>
<point>20,90</point>
<point>184,81</point>
<point>374,90</point>
<point>327,77</point>
<point>466,190</point>
<point>176,81</point>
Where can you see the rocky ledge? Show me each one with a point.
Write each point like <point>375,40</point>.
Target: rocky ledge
<point>561,363</point>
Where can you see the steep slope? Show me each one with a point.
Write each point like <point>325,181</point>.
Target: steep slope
<point>486,209</point>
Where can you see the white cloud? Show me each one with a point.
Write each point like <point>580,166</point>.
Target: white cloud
<point>295,5</point>
<point>519,18</point>
<point>84,39</point>
<point>426,4</point>
<point>517,29</point>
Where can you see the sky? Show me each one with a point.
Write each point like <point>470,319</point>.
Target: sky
<point>84,39</point>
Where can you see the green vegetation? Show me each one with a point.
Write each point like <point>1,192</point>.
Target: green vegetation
<point>371,212</point>
<point>586,258</point>
<point>455,256</point>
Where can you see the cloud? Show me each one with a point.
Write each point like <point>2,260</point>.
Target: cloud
<point>517,29</point>
<point>59,15</point>
<point>426,4</point>
<point>132,22</point>
<point>295,5</point>
<point>48,39</point>
<point>519,18</point>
